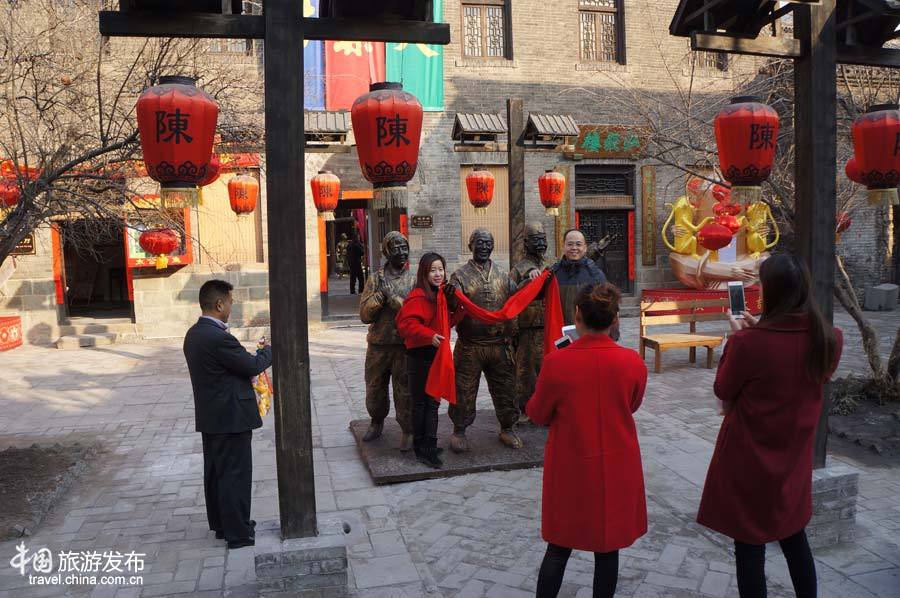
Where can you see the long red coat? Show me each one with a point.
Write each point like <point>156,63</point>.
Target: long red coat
<point>759,485</point>
<point>593,478</point>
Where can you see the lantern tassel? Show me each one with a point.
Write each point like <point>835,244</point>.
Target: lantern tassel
<point>553,212</point>
<point>480,211</point>
<point>162,262</point>
<point>887,197</point>
<point>328,216</point>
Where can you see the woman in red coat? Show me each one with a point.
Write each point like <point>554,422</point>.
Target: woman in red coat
<point>593,496</point>
<point>417,324</point>
<point>759,485</point>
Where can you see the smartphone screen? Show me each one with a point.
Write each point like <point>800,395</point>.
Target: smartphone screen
<point>562,343</point>
<point>736,297</point>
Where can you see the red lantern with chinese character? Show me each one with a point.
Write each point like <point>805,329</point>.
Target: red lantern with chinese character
<point>714,236</point>
<point>243,190</point>
<point>746,136</point>
<point>876,147</point>
<point>480,189</point>
<point>213,170</point>
<point>176,123</point>
<point>552,186</point>
<point>851,169</point>
<point>843,223</point>
<point>326,191</point>
<point>9,193</point>
<point>387,124</point>
<point>159,242</point>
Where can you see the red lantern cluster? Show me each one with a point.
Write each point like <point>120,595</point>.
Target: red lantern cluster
<point>177,123</point>
<point>326,190</point>
<point>480,189</point>
<point>876,148</point>
<point>714,236</point>
<point>552,187</point>
<point>727,216</point>
<point>243,191</point>
<point>387,123</point>
<point>746,136</point>
<point>159,242</point>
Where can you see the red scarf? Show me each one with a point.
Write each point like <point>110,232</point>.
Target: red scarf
<point>442,376</point>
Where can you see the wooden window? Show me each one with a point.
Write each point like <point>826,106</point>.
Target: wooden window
<point>226,238</point>
<point>486,29</point>
<point>602,30</point>
<point>496,220</point>
<point>713,61</point>
<point>230,46</point>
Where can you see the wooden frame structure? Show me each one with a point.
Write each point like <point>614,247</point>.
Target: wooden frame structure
<point>826,32</point>
<point>283,28</point>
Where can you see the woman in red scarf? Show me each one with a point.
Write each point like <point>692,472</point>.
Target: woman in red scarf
<point>418,325</point>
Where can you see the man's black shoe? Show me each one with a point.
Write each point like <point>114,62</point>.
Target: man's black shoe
<point>241,543</point>
<point>221,535</point>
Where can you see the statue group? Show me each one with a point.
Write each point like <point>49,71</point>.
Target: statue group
<point>508,354</point>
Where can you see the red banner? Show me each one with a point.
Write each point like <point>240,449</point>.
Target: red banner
<point>349,69</point>
<point>631,245</point>
<point>10,333</point>
<point>751,296</point>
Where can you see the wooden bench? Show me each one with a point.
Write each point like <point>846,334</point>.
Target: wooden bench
<point>660,313</point>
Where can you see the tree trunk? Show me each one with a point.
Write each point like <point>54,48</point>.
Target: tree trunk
<point>894,360</point>
<point>843,290</point>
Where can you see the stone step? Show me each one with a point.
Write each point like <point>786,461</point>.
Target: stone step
<point>78,341</point>
<point>76,328</point>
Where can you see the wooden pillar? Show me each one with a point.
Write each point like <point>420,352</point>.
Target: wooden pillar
<point>815,137</point>
<point>515,120</point>
<point>287,267</point>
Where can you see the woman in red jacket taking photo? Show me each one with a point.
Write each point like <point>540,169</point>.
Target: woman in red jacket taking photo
<point>759,485</point>
<point>593,497</point>
<point>417,323</point>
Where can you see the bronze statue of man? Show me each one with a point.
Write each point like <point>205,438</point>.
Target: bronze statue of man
<point>530,345</point>
<point>484,347</point>
<point>385,355</point>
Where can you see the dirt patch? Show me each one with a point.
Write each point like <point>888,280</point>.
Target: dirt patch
<point>866,415</point>
<point>33,479</point>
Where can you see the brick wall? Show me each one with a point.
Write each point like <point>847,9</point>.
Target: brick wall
<point>30,293</point>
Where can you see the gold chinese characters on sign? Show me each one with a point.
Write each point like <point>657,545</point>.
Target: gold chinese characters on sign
<point>648,215</point>
<point>611,141</point>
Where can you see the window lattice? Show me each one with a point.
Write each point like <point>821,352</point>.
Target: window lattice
<point>588,36</point>
<point>597,3</point>
<point>607,35</point>
<point>484,30</point>
<point>599,36</point>
<point>601,184</point>
<point>495,26</point>
<point>711,60</point>
<point>227,46</point>
<point>473,41</point>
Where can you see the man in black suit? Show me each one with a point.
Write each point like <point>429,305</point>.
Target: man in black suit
<point>356,251</point>
<point>225,411</point>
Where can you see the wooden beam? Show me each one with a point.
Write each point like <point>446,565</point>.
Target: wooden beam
<point>777,47</point>
<point>287,268</point>
<point>414,32</point>
<point>815,196</point>
<point>515,156</point>
<point>868,56</point>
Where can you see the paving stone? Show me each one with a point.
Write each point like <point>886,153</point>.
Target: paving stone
<point>715,584</point>
<point>384,571</point>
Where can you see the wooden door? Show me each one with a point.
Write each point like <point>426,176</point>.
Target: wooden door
<point>596,224</point>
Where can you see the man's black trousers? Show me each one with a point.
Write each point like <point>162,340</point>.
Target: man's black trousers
<point>227,482</point>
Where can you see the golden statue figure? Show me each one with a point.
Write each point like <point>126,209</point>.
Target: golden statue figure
<point>758,215</point>
<point>684,231</point>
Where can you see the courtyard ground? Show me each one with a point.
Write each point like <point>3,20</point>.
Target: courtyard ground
<point>470,536</point>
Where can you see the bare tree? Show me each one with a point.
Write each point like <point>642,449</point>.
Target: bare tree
<point>68,132</point>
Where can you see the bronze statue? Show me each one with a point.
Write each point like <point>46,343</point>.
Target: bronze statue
<point>484,347</point>
<point>385,355</point>
<point>530,343</point>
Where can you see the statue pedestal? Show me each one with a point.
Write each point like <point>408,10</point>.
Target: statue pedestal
<point>387,465</point>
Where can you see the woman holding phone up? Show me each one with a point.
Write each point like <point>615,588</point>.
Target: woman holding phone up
<point>417,323</point>
<point>759,485</point>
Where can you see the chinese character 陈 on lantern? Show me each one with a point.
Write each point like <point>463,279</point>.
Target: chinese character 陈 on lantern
<point>746,137</point>
<point>159,242</point>
<point>177,123</point>
<point>326,191</point>
<point>242,193</point>
<point>876,147</point>
<point>387,124</point>
<point>552,187</point>
<point>480,189</point>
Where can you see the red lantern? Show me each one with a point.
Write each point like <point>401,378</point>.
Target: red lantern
<point>480,188</point>
<point>242,193</point>
<point>213,170</point>
<point>851,169</point>
<point>552,186</point>
<point>876,147</point>
<point>326,190</point>
<point>177,122</point>
<point>843,223</point>
<point>714,236</point>
<point>9,193</point>
<point>387,123</point>
<point>727,216</point>
<point>746,135</point>
<point>159,242</point>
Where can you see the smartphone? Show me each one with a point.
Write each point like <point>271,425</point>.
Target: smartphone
<point>562,343</point>
<point>570,332</point>
<point>736,298</point>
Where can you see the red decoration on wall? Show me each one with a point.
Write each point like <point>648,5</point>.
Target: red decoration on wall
<point>387,123</point>
<point>876,147</point>
<point>714,236</point>
<point>746,136</point>
<point>631,272</point>
<point>326,191</point>
<point>552,187</point>
<point>177,123</point>
<point>160,242</point>
<point>480,189</point>
<point>243,191</point>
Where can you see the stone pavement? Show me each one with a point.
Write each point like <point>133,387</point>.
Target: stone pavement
<point>475,535</point>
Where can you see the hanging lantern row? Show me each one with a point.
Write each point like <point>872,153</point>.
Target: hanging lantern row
<point>876,153</point>
<point>243,191</point>
<point>746,136</point>
<point>552,188</point>
<point>480,189</point>
<point>177,124</point>
<point>159,242</point>
<point>326,191</point>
